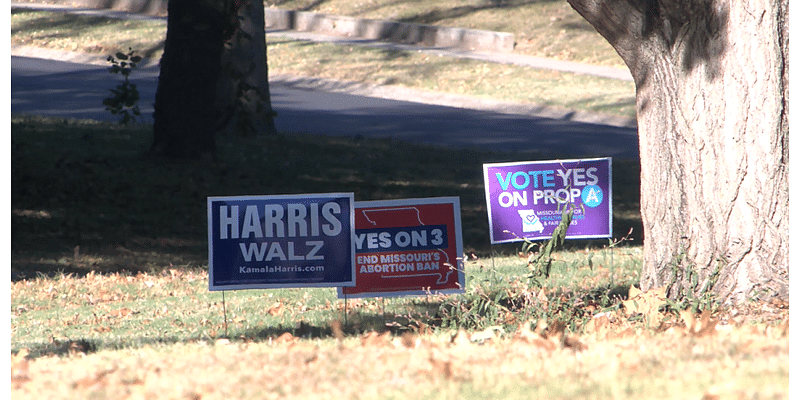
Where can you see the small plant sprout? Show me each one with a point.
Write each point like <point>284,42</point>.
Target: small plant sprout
<point>125,97</point>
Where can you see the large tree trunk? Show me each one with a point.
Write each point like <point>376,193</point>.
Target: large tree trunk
<point>244,87</point>
<point>185,117</point>
<point>213,76</point>
<point>712,90</point>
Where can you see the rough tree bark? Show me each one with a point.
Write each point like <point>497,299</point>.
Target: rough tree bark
<point>712,94</point>
<point>244,89</point>
<point>185,118</point>
<point>213,76</point>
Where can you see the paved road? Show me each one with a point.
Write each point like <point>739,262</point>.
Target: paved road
<point>50,87</point>
<point>353,40</point>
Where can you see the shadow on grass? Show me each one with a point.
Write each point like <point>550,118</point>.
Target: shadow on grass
<point>88,196</point>
<point>70,26</point>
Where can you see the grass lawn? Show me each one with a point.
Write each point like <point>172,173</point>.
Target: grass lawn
<point>542,28</point>
<point>109,288</point>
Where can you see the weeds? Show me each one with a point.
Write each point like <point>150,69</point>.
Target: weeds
<point>539,263</point>
<point>685,279</point>
<point>125,99</point>
<point>500,297</point>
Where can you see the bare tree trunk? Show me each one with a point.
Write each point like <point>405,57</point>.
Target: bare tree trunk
<point>185,118</point>
<point>244,87</point>
<point>712,89</point>
<point>213,76</point>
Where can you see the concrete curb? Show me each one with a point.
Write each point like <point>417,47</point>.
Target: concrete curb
<point>334,25</point>
<point>390,31</point>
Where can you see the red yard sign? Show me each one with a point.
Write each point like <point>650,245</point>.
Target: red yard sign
<point>407,247</point>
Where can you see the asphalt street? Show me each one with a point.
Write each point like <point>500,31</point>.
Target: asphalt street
<point>76,90</point>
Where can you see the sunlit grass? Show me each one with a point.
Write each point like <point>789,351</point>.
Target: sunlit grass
<point>174,305</point>
<point>550,29</point>
<point>507,83</point>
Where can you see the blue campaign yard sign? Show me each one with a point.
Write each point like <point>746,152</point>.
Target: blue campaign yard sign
<point>281,241</point>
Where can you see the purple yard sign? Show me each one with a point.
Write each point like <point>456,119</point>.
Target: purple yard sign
<point>525,199</point>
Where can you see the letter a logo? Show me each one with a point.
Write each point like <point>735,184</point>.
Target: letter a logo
<point>592,196</point>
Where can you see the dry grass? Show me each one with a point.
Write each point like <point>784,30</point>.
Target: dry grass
<point>543,28</point>
<point>154,331</point>
<point>732,355</point>
<point>676,366</point>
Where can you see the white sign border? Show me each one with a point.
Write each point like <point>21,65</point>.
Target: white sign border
<point>576,160</point>
<point>456,203</point>
<point>212,287</point>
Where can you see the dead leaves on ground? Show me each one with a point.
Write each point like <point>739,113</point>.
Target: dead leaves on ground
<point>647,303</point>
<point>535,350</point>
<point>19,368</point>
<point>276,309</point>
<point>652,305</point>
<point>417,356</point>
<point>429,356</point>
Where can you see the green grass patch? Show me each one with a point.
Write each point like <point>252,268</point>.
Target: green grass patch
<point>508,83</point>
<point>87,34</point>
<point>95,312</point>
<point>109,244</point>
<point>164,335</point>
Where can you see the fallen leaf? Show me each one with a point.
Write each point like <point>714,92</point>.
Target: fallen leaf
<point>688,319</point>
<point>486,334</point>
<point>700,326</point>
<point>336,327</point>
<point>524,332</point>
<point>461,338</point>
<point>276,309</point>
<point>557,329</point>
<point>599,324</point>
<point>286,337</point>
<point>647,303</point>
<point>121,313</point>
<point>575,344</point>
<point>409,340</point>
<point>19,367</point>
<point>376,339</point>
<point>633,292</point>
